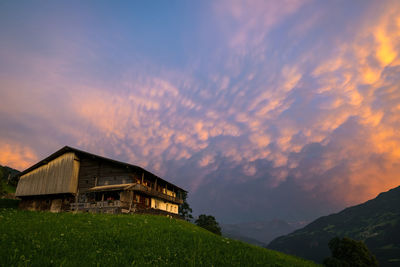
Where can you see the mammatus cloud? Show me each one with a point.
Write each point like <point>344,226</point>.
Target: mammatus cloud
<point>248,23</point>
<point>359,135</point>
<point>297,114</point>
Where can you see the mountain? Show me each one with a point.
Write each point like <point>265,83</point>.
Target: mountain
<point>258,233</point>
<point>231,231</point>
<point>376,222</point>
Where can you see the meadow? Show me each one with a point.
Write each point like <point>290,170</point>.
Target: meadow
<point>31,238</point>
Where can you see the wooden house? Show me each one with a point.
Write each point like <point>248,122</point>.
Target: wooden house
<point>75,180</point>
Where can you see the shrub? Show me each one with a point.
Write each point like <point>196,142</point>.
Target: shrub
<point>349,252</point>
<point>209,223</point>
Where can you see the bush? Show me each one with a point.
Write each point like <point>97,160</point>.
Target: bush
<point>9,203</point>
<point>349,252</point>
<point>209,223</point>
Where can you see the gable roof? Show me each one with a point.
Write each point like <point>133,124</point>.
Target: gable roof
<point>78,152</point>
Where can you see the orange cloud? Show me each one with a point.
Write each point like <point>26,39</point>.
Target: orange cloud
<point>385,52</point>
<point>16,155</point>
<point>267,110</point>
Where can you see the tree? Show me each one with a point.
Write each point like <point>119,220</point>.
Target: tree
<point>2,189</point>
<point>349,252</point>
<point>9,175</point>
<point>184,209</point>
<point>209,223</point>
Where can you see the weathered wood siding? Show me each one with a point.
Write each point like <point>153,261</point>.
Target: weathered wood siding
<point>58,176</point>
<point>54,203</point>
<point>96,173</point>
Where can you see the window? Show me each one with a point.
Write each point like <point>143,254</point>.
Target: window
<point>137,198</point>
<point>147,201</point>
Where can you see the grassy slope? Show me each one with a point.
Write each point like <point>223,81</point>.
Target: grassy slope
<point>5,187</point>
<point>46,239</point>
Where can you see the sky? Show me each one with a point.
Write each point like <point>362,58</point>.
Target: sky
<point>280,109</point>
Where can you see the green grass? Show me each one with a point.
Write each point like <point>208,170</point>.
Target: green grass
<point>83,239</point>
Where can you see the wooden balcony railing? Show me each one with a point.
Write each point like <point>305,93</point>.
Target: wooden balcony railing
<point>153,192</point>
<point>110,205</point>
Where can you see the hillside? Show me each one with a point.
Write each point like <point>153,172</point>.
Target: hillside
<point>67,239</point>
<point>231,232</point>
<point>8,180</point>
<point>377,222</point>
<point>257,233</point>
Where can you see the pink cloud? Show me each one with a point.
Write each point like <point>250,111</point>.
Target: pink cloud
<point>260,106</point>
<point>254,18</point>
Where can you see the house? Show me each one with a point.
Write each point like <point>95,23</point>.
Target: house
<point>75,180</point>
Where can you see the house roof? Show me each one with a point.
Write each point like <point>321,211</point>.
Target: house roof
<point>78,152</point>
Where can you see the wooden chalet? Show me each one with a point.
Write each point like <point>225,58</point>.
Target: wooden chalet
<point>75,180</point>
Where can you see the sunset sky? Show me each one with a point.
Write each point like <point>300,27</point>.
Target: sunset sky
<point>260,109</point>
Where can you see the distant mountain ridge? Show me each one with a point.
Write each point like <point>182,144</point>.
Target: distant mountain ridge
<point>376,222</point>
<point>258,233</point>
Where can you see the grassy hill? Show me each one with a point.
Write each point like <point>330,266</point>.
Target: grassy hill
<point>67,239</point>
<point>376,222</point>
<point>8,180</point>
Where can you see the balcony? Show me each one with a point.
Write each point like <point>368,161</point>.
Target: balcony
<point>152,192</point>
<point>137,187</point>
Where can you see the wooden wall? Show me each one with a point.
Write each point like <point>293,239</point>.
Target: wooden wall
<point>57,176</point>
<point>54,203</point>
<point>130,199</point>
<point>94,172</point>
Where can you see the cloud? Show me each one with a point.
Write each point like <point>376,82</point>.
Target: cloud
<point>283,101</point>
<point>253,20</point>
<point>335,89</point>
<point>15,155</point>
